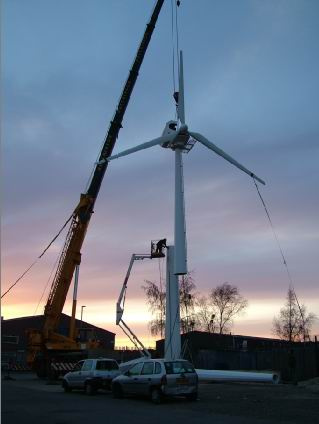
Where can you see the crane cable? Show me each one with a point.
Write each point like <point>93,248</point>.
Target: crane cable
<point>47,283</point>
<point>39,257</point>
<point>163,307</point>
<point>177,4</point>
<point>173,45</point>
<point>282,254</point>
<point>175,48</point>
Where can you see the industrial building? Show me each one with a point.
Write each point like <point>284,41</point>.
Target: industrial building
<point>14,337</point>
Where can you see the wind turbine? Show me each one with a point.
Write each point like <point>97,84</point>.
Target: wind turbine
<point>178,138</point>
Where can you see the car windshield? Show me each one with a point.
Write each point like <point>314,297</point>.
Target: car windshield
<point>178,367</point>
<point>107,365</point>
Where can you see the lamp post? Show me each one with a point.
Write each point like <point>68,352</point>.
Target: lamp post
<point>82,307</point>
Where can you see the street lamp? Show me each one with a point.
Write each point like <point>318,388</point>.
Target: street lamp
<point>82,307</point>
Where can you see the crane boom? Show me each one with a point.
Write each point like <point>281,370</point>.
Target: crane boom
<point>71,256</point>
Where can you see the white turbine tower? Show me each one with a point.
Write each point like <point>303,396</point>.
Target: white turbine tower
<point>177,137</point>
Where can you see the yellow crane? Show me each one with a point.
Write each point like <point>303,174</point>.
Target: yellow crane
<point>44,344</point>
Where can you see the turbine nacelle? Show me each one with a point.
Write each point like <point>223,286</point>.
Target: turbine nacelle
<point>180,136</point>
<point>170,128</point>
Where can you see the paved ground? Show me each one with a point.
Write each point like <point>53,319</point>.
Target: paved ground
<point>27,400</point>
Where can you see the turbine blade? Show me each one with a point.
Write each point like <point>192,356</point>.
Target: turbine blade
<point>221,153</point>
<point>181,105</point>
<point>148,144</point>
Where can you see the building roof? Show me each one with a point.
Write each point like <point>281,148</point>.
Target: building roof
<point>37,321</point>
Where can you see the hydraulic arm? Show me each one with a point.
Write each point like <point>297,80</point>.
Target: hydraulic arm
<point>120,308</point>
<point>71,256</point>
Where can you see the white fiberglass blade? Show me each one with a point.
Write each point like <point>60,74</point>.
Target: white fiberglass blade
<point>148,144</point>
<point>221,153</point>
<point>181,105</point>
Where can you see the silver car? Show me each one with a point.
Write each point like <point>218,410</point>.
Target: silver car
<point>158,378</point>
<point>91,375</point>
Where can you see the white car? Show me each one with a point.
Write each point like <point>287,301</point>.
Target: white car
<point>91,375</point>
<point>158,378</point>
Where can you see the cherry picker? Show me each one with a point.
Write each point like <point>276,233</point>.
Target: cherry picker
<point>156,252</point>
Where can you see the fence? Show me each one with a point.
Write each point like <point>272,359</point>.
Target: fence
<point>298,363</point>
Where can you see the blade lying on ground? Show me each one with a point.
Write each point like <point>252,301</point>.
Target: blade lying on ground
<point>221,153</point>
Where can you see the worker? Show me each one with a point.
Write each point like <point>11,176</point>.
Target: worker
<point>160,245</point>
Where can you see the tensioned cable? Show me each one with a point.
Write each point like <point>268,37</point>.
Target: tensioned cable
<point>47,283</point>
<point>162,300</point>
<point>177,37</point>
<point>173,44</point>
<point>39,257</point>
<point>281,251</point>
<point>273,230</point>
<point>21,276</point>
<point>160,274</point>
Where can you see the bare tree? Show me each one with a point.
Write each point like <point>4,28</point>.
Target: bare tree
<point>156,298</point>
<point>293,322</point>
<point>213,313</point>
<point>227,303</point>
<point>205,314</point>
<point>187,298</point>
<point>156,301</point>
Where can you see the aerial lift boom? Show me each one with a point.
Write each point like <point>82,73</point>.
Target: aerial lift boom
<point>157,247</point>
<point>120,308</point>
<point>49,339</point>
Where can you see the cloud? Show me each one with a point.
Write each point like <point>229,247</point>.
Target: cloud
<point>251,87</point>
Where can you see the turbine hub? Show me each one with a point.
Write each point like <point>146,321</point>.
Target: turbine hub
<point>183,129</point>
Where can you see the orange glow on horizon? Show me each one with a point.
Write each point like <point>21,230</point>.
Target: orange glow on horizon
<point>257,321</point>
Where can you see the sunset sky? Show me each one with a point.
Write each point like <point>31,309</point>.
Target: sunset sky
<point>251,86</point>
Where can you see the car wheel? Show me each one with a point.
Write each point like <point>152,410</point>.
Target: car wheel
<point>156,396</point>
<point>66,387</point>
<point>191,396</point>
<point>117,391</point>
<point>90,389</point>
